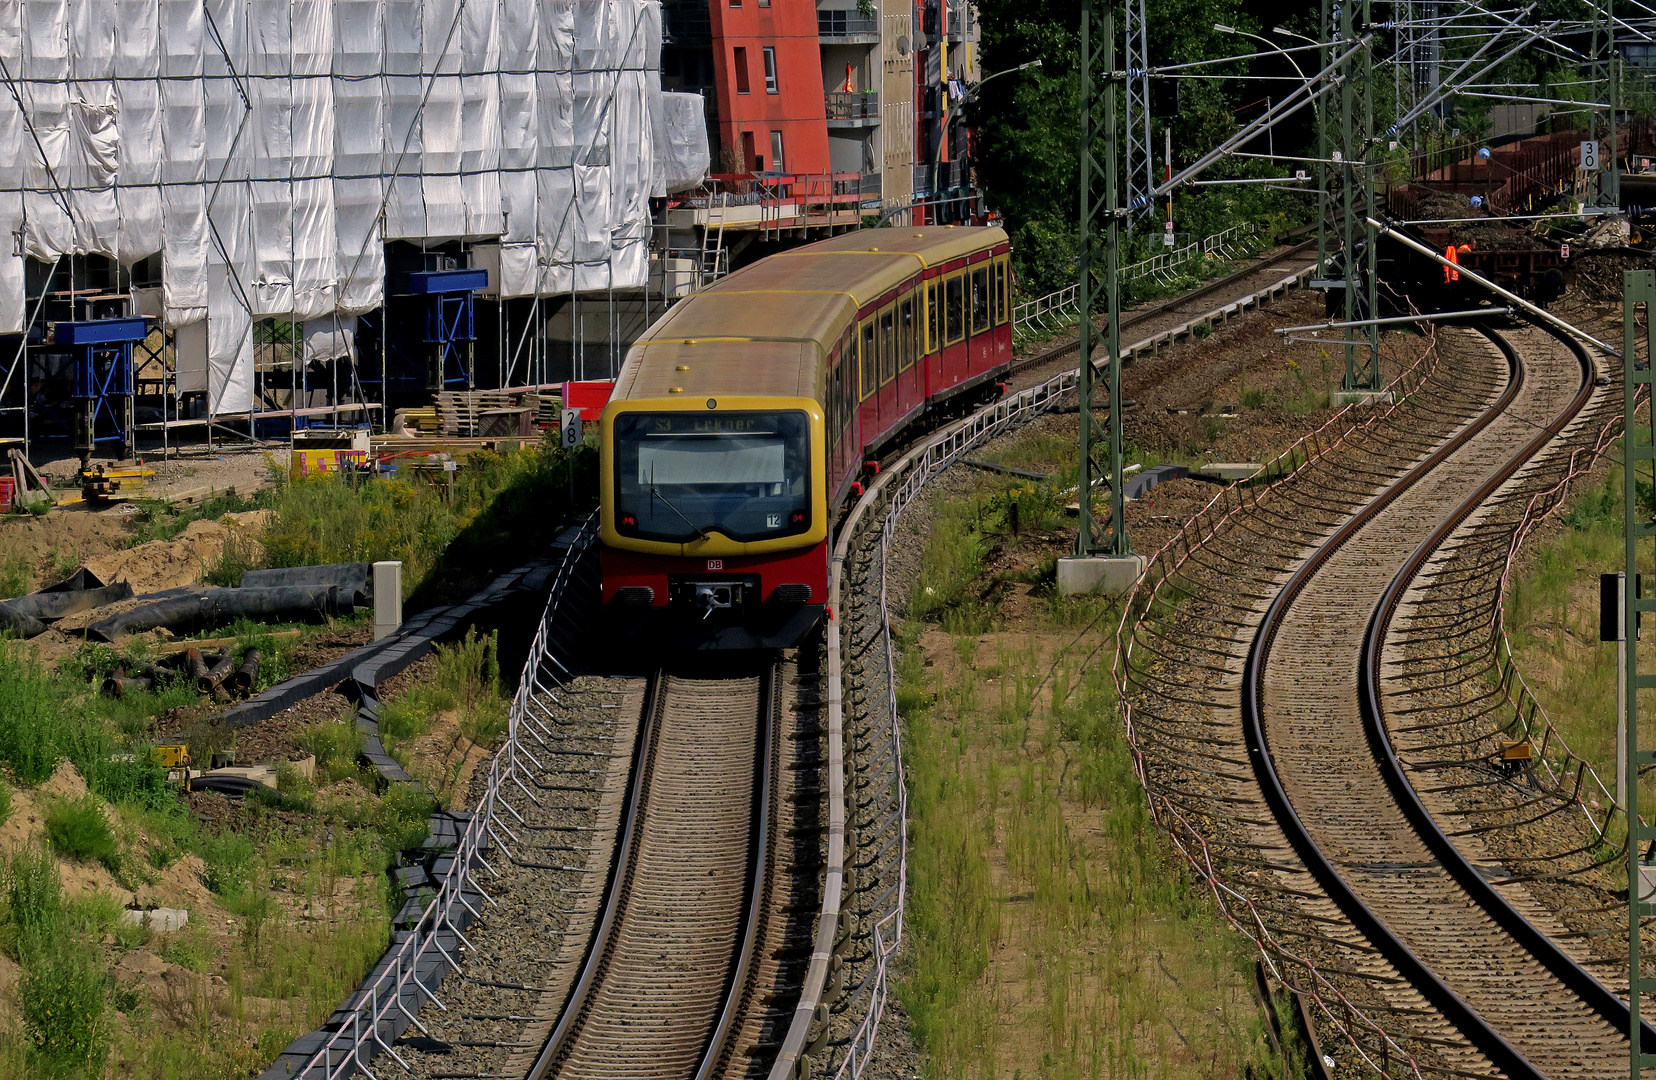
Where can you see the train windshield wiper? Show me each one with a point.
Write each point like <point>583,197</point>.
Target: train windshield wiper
<point>701,533</point>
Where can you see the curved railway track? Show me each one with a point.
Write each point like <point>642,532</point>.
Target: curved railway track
<point>566,966</point>
<point>1508,998</point>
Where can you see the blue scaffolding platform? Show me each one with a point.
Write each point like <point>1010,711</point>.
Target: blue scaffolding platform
<point>102,375</point>
<point>449,318</point>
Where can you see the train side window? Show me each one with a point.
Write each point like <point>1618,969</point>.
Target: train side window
<point>888,346</point>
<point>870,364</point>
<point>980,300</point>
<point>933,312</point>
<point>954,309</point>
<point>905,348</point>
<point>1000,290</point>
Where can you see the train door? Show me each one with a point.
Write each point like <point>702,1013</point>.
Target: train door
<point>954,328</point>
<point>981,347</point>
<point>868,382</point>
<point>933,335</point>
<point>911,390</point>
<point>1003,310</point>
<point>890,406</point>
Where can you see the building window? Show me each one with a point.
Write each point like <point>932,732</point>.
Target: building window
<point>749,161</point>
<point>770,70</point>
<point>776,151</point>
<point>741,70</point>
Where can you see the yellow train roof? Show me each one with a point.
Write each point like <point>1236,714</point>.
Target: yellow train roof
<point>766,329</point>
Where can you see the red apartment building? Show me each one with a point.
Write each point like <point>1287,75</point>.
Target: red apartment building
<point>842,86</point>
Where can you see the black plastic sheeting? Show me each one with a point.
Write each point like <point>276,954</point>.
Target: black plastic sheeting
<point>28,615</point>
<point>206,608</point>
<point>355,579</point>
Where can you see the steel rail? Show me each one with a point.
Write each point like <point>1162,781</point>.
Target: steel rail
<point>738,988</point>
<point>602,943</point>
<point>761,874</point>
<point>1474,1027</point>
<point>1581,982</point>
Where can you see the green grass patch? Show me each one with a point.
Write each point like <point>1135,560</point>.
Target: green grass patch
<point>16,575</point>
<point>502,506</point>
<point>1054,931</point>
<point>80,831</point>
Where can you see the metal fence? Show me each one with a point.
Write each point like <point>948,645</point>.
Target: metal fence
<point>1057,310</point>
<point>410,974</point>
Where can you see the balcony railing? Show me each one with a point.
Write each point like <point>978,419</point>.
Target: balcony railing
<point>847,24</point>
<point>855,106</point>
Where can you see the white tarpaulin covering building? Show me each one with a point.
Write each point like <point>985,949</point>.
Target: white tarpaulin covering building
<point>268,149</point>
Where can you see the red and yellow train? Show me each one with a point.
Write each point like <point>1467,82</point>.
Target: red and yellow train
<point>741,421</point>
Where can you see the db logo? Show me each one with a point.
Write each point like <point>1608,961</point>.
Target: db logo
<point>715,564</point>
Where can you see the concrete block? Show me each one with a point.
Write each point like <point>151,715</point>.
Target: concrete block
<point>1111,575</point>
<point>1231,470</point>
<point>388,611</point>
<point>165,919</point>
<point>258,774</point>
<point>1360,397</point>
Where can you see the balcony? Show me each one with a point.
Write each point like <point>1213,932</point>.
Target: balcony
<point>848,28</point>
<point>857,110</point>
<point>963,26</point>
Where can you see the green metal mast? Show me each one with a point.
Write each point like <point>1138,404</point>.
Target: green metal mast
<point>1638,290</point>
<point>1098,65</point>
<point>1357,196</point>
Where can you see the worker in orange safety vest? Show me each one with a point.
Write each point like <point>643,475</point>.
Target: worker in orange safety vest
<point>1453,254</point>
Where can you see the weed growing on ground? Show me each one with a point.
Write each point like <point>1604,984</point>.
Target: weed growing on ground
<point>337,745</point>
<point>1054,932</point>
<point>63,986</point>
<point>447,546</point>
<point>157,520</point>
<point>16,575</point>
<point>80,831</point>
<point>235,558</point>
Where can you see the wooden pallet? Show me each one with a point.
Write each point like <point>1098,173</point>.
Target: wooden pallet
<point>459,410</point>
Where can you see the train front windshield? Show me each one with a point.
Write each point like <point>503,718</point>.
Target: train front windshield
<point>679,475</point>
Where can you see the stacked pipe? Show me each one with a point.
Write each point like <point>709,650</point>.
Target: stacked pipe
<point>216,675</point>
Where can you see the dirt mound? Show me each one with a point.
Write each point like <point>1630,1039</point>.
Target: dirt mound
<point>51,547</point>
<point>168,564</point>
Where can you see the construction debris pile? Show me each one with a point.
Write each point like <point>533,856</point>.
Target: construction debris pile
<point>221,676</point>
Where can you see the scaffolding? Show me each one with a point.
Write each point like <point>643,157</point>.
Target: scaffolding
<point>272,159</point>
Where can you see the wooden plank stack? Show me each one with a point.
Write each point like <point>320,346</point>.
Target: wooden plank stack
<point>459,412</point>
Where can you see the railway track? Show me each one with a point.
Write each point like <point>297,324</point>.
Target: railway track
<point>654,927</point>
<point>1314,710</point>
<point>667,972</point>
<point>1261,271</point>
<point>1344,699</point>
